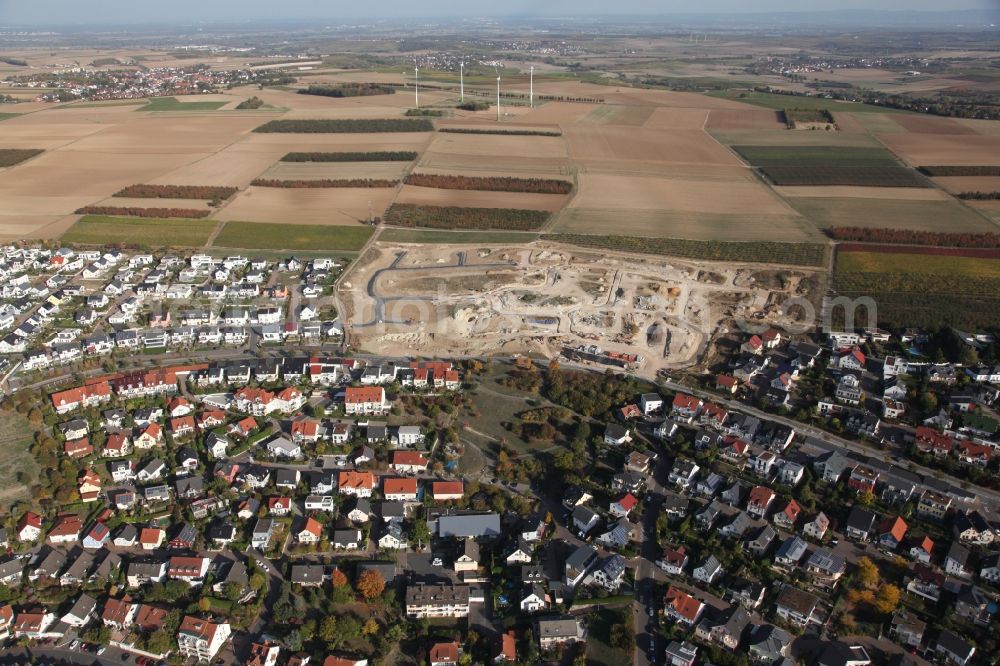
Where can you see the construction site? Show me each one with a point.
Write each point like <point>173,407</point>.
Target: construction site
<point>641,314</point>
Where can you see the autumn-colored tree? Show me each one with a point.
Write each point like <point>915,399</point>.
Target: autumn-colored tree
<point>371,584</point>
<point>868,574</point>
<point>370,627</point>
<point>338,578</point>
<point>887,599</point>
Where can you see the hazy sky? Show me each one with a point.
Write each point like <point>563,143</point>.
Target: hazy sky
<point>131,11</point>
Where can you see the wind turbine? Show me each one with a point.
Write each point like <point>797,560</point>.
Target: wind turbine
<point>461,80</point>
<point>531,88</point>
<point>498,94</point>
<point>416,86</point>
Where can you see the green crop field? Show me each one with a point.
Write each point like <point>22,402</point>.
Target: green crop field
<point>6,116</point>
<point>830,165</point>
<point>143,232</point>
<point>795,254</point>
<point>455,237</point>
<point>270,236</point>
<point>173,104</point>
<point>923,290</point>
<point>772,101</point>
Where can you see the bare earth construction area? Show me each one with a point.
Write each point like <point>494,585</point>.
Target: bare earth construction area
<point>416,299</point>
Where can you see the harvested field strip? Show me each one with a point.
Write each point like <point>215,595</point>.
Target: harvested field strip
<point>453,217</point>
<point>796,254</point>
<point>128,211</point>
<point>346,126</point>
<point>961,170</point>
<point>207,192</point>
<point>918,215</point>
<point>887,237</point>
<point>455,237</point>
<point>324,182</point>
<point>495,184</point>
<point>11,156</point>
<point>383,156</point>
<point>511,132</point>
<point>173,104</point>
<point>139,232</point>
<point>268,236</point>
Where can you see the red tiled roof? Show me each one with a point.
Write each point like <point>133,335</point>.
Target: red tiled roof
<point>363,394</point>
<point>399,486</point>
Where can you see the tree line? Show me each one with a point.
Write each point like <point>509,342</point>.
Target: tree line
<point>207,192</point>
<point>384,156</point>
<point>513,132</point>
<point>979,196</point>
<point>455,217</point>
<point>323,182</point>
<point>491,184</point>
<point>131,211</point>
<point>348,90</point>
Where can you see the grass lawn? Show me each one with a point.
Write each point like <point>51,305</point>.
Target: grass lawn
<point>18,469</point>
<point>143,232</point>
<point>599,648</point>
<point>271,236</point>
<point>173,104</point>
<point>772,101</point>
<point>442,237</point>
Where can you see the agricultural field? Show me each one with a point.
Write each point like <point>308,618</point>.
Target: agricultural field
<point>174,104</point>
<point>828,165</point>
<point>738,208</point>
<point>140,232</point>
<point>442,237</point>
<point>916,214</point>
<point>474,199</point>
<point>336,170</point>
<point>337,206</point>
<point>260,236</point>
<point>13,156</point>
<point>944,149</point>
<point>778,102</point>
<point>793,254</point>
<point>453,217</point>
<point>923,287</point>
<point>346,126</point>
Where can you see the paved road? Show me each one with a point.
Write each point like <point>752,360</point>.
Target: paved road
<point>835,440</point>
<point>60,655</point>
